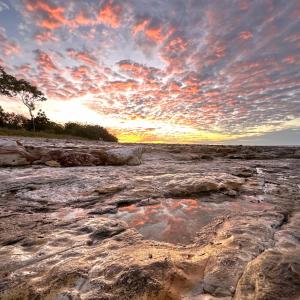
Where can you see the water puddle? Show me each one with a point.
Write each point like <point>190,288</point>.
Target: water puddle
<point>177,220</point>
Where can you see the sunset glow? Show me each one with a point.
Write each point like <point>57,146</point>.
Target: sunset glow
<point>159,71</point>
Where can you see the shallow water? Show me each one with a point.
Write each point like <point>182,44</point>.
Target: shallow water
<point>178,220</point>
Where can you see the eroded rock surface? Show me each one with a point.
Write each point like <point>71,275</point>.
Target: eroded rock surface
<point>87,220</point>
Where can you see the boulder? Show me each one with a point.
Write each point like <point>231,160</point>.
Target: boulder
<point>184,185</point>
<point>125,156</point>
<point>70,158</point>
<point>14,154</point>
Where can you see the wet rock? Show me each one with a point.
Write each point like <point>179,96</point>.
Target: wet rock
<point>131,156</point>
<point>149,201</point>
<point>104,228</point>
<point>14,154</point>
<point>56,246</point>
<point>184,185</point>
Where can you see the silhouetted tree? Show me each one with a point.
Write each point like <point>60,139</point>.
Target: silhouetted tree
<point>29,94</point>
<point>92,132</point>
<point>41,121</point>
<point>2,117</point>
<point>12,120</point>
<point>7,84</point>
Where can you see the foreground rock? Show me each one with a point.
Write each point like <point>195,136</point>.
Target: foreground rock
<point>13,153</point>
<point>79,233</point>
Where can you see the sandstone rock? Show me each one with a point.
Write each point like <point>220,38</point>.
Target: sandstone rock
<point>272,275</point>
<point>52,163</point>
<point>104,228</point>
<point>188,185</point>
<point>110,189</point>
<point>14,154</point>
<point>70,158</point>
<point>131,156</point>
<point>55,246</point>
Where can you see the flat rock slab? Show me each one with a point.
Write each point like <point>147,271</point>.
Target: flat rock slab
<point>72,215</point>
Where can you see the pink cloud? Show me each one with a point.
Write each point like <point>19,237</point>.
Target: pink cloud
<point>110,14</point>
<point>82,56</point>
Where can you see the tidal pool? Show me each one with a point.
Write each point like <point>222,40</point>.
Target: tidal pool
<point>177,220</point>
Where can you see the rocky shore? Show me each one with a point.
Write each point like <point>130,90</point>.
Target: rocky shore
<point>89,220</point>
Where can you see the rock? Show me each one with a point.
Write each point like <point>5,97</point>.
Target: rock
<point>230,193</point>
<point>131,156</point>
<point>272,275</point>
<point>14,154</point>
<point>183,185</point>
<point>244,172</point>
<point>54,244</point>
<point>106,228</point>
<point>70,158</point>
<point>149,201</point>
<point>73,159</point>
<point>52,163</point>
<point>110,189</point>
<point>107,209</point>
<point>297,154</point>
<point>275,274</point>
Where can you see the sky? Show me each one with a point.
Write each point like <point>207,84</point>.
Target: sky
<point>170,71</point>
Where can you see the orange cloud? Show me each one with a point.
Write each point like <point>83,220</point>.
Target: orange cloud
<point>8,47</point>
<point>244,5</point>
<point>110,14</point>
<point>82,19</point>
<point>139,71</point>
<point>45,36</point>
<point>177,44</point>
<point>11,48</point>
<point>140,26</point>
<point>82,56</point>
<point>45,61</point>
<point>55,14</point>
<point>246,35</point>
<point>80,72</point>
<point>174,86</point>
<point>120,86</point>
<point>289,59</point>
<point>220,51</point>
<point>158,34</point>
<point>174,54</point>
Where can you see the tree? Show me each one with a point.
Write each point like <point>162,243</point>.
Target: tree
<point>7,83</point>
<point>29,95</point>
<point>2,117</point>
<point>41,121</point>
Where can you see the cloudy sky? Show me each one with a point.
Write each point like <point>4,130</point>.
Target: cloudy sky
<point>185,71</point>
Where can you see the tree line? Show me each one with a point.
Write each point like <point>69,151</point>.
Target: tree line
<point>30,95</point>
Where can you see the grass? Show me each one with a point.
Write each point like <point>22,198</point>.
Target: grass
<point>39,134</point>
